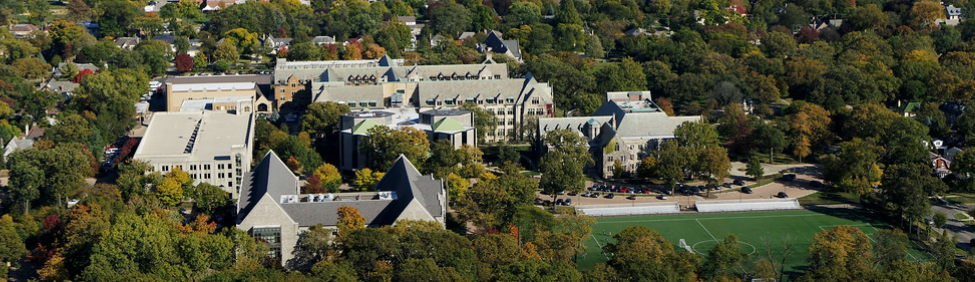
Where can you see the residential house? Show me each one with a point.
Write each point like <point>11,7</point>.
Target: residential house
<point>514,101</point>
<point>64,87</point>
<point>23,30</point>
<point>627,128</point>
<point>211,5</point>
<point>454,125</point>
<point>273,209</point>
<point>952,15</point>
<point>276,44</point>
<point>126,43</point>
<point>212,147</point>
<point>495,44</point>
<point>23,143</point>
<point>323,40</point>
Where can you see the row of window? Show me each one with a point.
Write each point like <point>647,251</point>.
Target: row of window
<point>454,101</point>
<point>353,104</point>
<point>510,122</point>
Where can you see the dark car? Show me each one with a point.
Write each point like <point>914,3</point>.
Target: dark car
<point>788,177</point>
<point>738,182</point>
<point>662,197</point>
<point>631,197</point>
<point>815,184</point>
<point>567,202</point>
<point>539,201</point>
<point>609,196</point>
<point>746,190</point>
<point>587,194</point>
<point>729,185</point>
<point>573,193</point>
<point>595,195</point>
<point>782,195</point>
<point>558,202</point>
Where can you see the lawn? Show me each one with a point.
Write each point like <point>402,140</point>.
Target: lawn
<point>701,232</point>
<point>828,198</point>
<point>960,199</point>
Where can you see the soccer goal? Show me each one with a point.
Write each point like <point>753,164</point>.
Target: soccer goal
<point>683,244</point>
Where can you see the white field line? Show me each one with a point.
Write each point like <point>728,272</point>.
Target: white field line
<point>722,218</point>
<point>706,230</point>
<point>600,246</point>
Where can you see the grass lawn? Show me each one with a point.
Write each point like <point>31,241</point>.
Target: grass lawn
<point>701,232</point>
<point>960,199</point>
<point>828,198</point>
<point>960,216</point>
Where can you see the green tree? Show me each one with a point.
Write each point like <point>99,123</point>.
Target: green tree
<point>854,169</point>
<point>450,19</point>
<point>647,167</point>
<point>457,186</point>
<point>313,246</point>
<point>625,76</point>
<point>170,192</point>
<point>672,163</point>
<point>724,260</point>
<point>484,120</point>
<point>31,68</point>
<point>890,245</point>
<point>906,188</point>
<point>562,165</point>
<point>227,51</point>
<point>155,56</point>
<point>322,119</point>
<point>209,197</point>
<point>939,218</point>
<point>383,145</point>
<point>39,12</point>
<point>770,139</point>
<point>25,181</point>
<point>73,128</point>
<point>78,11</point>
<point>696,135</point>
<point>754,168</point>
<point>11,245</point>
<point>642,254</point>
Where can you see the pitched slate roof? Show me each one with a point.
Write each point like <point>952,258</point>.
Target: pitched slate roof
<point>271,179</point>
<point>448,125</point>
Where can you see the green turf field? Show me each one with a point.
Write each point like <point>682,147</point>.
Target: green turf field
<point>700,231</point>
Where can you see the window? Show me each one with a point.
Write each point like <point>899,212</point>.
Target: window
<point>511,122</point>
<point>165,168</point>
<point>535,101</point>
<point>206,167</point>
<point>271,236</point>
<point>219,166</point>
<point>282,90</point>
<point>193,176</point>
<point>220,175</point>
<point>610,158</point>
<point>500,121</point>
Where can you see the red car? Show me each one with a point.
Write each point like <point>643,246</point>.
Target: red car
<point>624,190</point>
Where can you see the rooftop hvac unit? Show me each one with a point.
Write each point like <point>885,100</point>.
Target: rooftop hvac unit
<point>288,199</point>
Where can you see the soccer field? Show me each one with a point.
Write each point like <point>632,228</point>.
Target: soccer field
<point>703,231</point>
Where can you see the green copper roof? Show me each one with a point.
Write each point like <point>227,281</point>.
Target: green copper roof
<point>363,127</point>
<point>448,125</point>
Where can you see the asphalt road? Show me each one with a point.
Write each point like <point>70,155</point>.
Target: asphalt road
<point>956,227</point>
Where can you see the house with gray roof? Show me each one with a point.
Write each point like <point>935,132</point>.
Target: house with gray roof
<point>454,125</point>
<point>273,209</point>
<point>626,128</point>
<point>387,83</point>
<point>23,30</point>
<point>495,44</point>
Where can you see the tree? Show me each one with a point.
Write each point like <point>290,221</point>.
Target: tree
<point>349,221</point>
<point>227,51</point>
<point>313,246</point>
<point>366,179</point>
<point>321,118</point>
<point>713,166</point>
<point>184,62</point>
<point>754,168</point>
<point>25,181</point>
<point>383,145</point>
<point>647,167</point>
<point>71,129</point>
<point>484,120</point>
<point>457,186</point>
<point>724,260</point>
<point>244,40</point>
<point>696,135</point>
<point>618,169</point>
<point>330,177</point>
<point>625,76</point>
<point>38,12</point>
<point>906,188</point>
<point>854,169</point>
<point>170,192</point>
<point>925,14</point>
<point>562,165</point>
<point>770,139</point>
<point>809,126</point>
<point>31,68</point>
<point>642,254</point>
<point>840,254</point>
<point>11,245</point>
<point>890,245</point>
<point>450,19</point>
<point>78,11</point>
<point>672,164</point>
<point>209,197</point>
<point>940,218</point>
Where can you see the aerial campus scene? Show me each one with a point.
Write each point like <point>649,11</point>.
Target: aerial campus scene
<point>491,140</point>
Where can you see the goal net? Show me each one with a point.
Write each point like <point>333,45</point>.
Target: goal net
<point>683,245</point>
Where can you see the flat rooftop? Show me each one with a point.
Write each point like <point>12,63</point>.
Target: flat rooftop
<point>199,105</point>
<point>197,135</point>
<point>214,86</point>
<point>255,78</point>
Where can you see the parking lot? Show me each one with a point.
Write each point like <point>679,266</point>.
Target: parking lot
<point>797,188</point>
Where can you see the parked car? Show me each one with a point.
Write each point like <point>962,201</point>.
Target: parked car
<point>594,195</point>
<point>729,185</point>
<point>625,190</point>
<point>587,194</point>
<point>662,197</point>
<point>815,184</point>
<point>746,190</point>
<point>567,202</point>
<point>573,193</point>
<point>738,182</point>
<point>609,196</point>
<point>558,202</point>
<point>782,195</point>
<point>631,197</point>
<point>717,187</point>
<point>788,177</point>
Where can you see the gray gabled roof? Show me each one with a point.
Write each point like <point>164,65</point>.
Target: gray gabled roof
<point>272,177</point>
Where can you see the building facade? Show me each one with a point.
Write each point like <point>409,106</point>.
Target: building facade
<point>456,126</point>
<point>220,89</point>
<point>272,209</point>
<point>387,83</point>
<point>627,128</point>
<point>212,147</point>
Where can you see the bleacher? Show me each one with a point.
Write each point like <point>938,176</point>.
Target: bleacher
<point>747,205</point>
<point>630,209</point>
